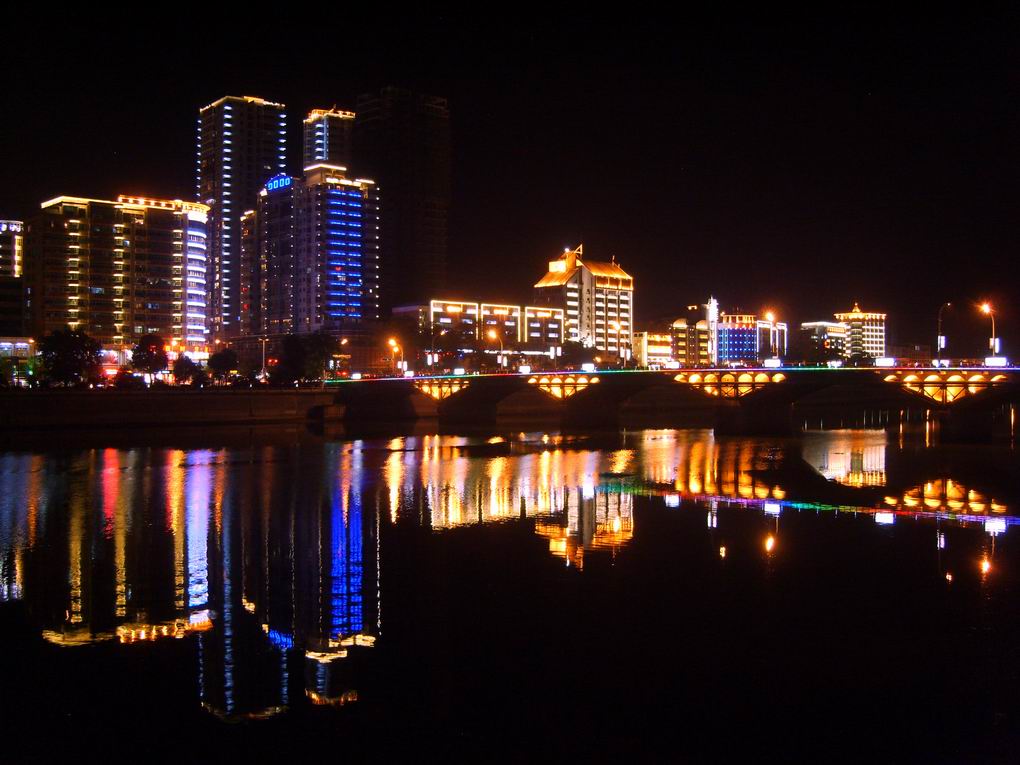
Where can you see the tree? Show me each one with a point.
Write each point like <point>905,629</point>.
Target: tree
<point>70,356</point>
<point>184,369</point>
<point>291,365</point>
<point>320,348</point>
<point>149,355</point>
<point>223,362</point>
<point>8,368</point>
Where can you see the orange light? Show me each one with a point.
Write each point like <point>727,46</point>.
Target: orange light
<point>770,317</point>
<point>986,565</point>
<point>770,543</point>
<point>722,552</point>
<point>492,334</point>
<point>986,308</point>
<point>392,342</point>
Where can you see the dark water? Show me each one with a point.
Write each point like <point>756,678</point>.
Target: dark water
<point>662,595</point>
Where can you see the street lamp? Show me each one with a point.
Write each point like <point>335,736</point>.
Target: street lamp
<point>940,339</point>
<point>616,329</point>
<point>264,339</point>
<point>494,335</point>
<point>392,342</point>
<point>993,341</point>
<point>770,317</point>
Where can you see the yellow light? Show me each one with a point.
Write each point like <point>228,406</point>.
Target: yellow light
<point>770,543</point>
<point>949,577</point>
<point>392,342</point>
<point>492,334</point>
<point>986,308</point>
<point>986,565</point>
<point>770,317</point>
<point>722,552</point>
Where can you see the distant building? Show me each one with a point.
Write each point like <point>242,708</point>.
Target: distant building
<point>865,333</point>
<point>910,354</point>
<point>242,142</point>
<point>119,269</point>
<point>653,349</point>
<point>538,329</point>
<point>690,338</point>
<point>328,137</point>
<point>402,140</point>
<point>310,254</point>
<point>822,341</point>
<point>597,298</point>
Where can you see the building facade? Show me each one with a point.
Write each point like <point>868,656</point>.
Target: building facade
<point>597,299</point>
<point>328,137</point>
<point>242,142</point>
<point>653,349</point>
<point>310,254</point>
<point>822,341</point>
<point>865,335</point>
<point>538,329</point>
<point>13,294</point>
<point>119,269</point>
<point>402,140</point>
<point>11,247</point>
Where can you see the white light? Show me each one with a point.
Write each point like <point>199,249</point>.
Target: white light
<point>995,526</point>
<point>672,500</point>
<point>356,375</point>
<point>834,364</point>
<point>885,361</point>
<point>996,361</point>
<point>772,363</point>
<point>885,519</point>
<point>588,367</point>
<point>773,508</point>
<point>459,371</point>
<point>524,369</point>
<point>408,373</point>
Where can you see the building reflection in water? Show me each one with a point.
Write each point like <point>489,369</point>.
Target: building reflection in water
<point>850,457</point>
<point>270,557</point>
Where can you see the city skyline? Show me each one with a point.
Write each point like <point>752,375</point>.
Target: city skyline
<point>796,179</point>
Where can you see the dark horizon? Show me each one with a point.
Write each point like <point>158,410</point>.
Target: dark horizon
<point>798,166</point>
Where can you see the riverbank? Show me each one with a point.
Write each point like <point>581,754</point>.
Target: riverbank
<point>120,408</point>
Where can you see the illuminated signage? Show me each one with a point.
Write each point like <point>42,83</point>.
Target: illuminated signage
<point>278,182</point>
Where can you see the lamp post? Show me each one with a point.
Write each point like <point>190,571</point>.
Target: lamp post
<point>940,339</point>
<point>494,335</point>
<point>993,341</point>
<point>616,329</point>
<point>264,339</point>
<point>395,348</point>
<point>773,339</point>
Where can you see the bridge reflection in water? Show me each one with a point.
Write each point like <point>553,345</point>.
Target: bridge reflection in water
<point>270,557</point>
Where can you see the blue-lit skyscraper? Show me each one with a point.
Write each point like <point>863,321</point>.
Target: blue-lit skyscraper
<point>242,141</point>
<point>310,254</point>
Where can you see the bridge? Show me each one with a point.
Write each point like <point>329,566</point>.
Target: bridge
<point>975,400</point>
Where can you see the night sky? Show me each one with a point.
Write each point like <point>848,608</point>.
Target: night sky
<point>794,163</point>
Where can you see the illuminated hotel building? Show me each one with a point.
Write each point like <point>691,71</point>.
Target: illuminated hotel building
<point>242,141</point>
<point>690,339</point>
<point>537,328</point>
<point>746,339</point>
<point>597,298</point>
<point>119,269</point>
<point>865,334</point>
<point>328,134</point>
<point>310,254</point>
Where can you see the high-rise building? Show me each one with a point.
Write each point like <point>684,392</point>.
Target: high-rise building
<point>11,247</point>
<point>597,298</point>
<point>865,336</point>
<point>402,140</point>
<point>242,142</point>
<point>743,338</point>
<point>119,269</point>
<point>328,135</point>
<point>310,254</point>
<point>13,297</point>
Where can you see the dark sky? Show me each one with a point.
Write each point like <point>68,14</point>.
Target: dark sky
<point>796,163</point>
